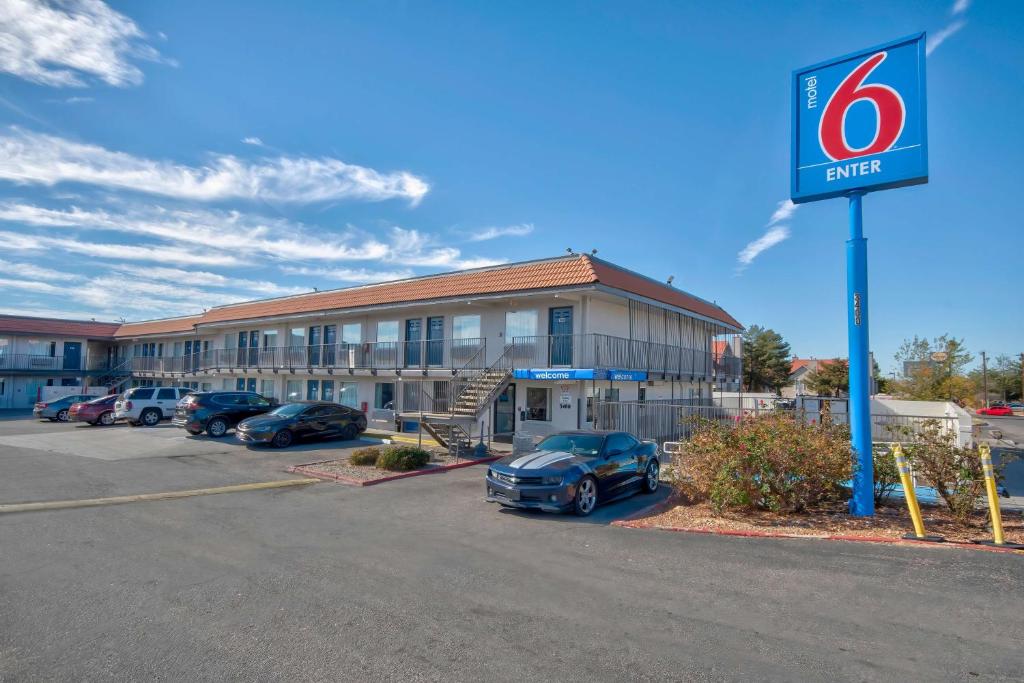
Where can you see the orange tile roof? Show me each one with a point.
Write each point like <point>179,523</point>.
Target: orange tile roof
<point>798,363</point>
<point>566,271</point>
<point>164,326</point>
<point>90,329</point>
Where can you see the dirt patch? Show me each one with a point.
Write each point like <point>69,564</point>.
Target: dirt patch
<point>890,521</point>
<point>343,468</point>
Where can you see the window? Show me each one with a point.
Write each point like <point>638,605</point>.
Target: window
<point>267,387</point>
<point>348,394</point>
<point>206,386</point>
<point>327,390</point>
<point>619,442</point>
<point>293,390</point>
<point>387,331</point>
<point>384,395</point>
<point>3,387</point>
<point>270,339</point>
<point>352,333</point>
<point>257,401</point>
<point>69,382</point>
<point>177,350</point>
<point>313,390</point>
<point>229,341</point>
<point>538,404</point>
<point>225,384</point>
<point>466,327</point>
<point>141,394</point>
<point>298,337</point>
<point>520,324</point>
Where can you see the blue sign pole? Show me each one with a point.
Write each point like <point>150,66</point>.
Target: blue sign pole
<point>863,501</point>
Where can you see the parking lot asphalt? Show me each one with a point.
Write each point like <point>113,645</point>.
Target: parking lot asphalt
<point>420,579</point>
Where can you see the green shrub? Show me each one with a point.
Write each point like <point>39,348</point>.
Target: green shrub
<point>772,462</point>
<point>402,458</point>
<point>953,471</point>
<point>887,475</point>
<point>364,456</point>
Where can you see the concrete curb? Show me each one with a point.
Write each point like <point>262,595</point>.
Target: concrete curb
<point>309,469</point>
<point>632,522</point>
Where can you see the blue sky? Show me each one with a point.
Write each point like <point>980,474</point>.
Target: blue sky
<point>269,149</point>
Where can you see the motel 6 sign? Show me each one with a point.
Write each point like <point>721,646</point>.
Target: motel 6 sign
<point>859,122</point>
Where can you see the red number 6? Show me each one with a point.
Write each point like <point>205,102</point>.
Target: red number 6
<point>889,113</point>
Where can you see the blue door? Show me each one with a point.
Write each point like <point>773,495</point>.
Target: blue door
<point>560,329</point>
<point>435,341</point>
<point>188,356</point>
<point>72,355</point>
<point>330,339</point>
<point>413,337</point>
<point>314,346</point>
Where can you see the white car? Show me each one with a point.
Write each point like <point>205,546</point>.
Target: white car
<point>148,405</point>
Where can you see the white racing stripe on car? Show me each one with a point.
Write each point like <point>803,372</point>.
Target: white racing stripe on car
<point>535,461</point>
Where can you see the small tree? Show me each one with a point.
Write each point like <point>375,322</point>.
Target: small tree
<point>952,470</point>
<point>832,378</point>
<point>926,379</point>
<point>765,359</point>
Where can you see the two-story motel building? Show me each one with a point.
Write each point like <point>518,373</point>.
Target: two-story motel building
<point>523,347</point>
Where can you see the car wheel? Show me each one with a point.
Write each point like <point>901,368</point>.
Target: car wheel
<point>150,417</point>
<point>586,497</point>
<point>349,432</point>
<point>62,415</point>
<point>283,439</point>
<point>651,477</point>
<point>106,419</point>
<point>217,427</point>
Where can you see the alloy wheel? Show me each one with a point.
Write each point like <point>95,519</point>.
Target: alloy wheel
<point>217,428</point>
<point>586,496</point>
<point>150,418</point>
<point>652,477</point>
<point>62,416</point>
<point>107,419</point>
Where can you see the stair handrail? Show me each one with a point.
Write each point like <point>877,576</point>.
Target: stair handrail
<point>504,362</point>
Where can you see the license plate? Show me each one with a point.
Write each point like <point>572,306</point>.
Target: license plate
<point>511,494</point>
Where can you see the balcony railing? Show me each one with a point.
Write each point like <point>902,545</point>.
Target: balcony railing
<point>729,367</point>
<point>32,362</point>
<point>424,354</point>
<point>602,351</point>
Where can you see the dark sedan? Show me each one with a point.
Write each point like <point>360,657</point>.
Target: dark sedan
<point>575,471</point>
<point>302,420</point>
<point>215,412</point>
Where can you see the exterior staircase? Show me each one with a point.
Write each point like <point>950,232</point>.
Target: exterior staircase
<point>450,435</point>
<point>115,378</point>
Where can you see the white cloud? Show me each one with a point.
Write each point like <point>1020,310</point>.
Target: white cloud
<point>357,275</point>
<point>936,39</point>
<point>939,37</point>
<point>766,241</point>
<point>774,233</point>
<point>158,254</point>
<point>32,271</point>
<point>28,157</point>
<point>61,44</point>
<point>204,278</point>
<point>491,233</point>
<point>783,211</point>
<point>256,142</point>
<point>31,286</point>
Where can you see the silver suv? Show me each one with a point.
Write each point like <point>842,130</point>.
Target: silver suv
<point>148,405</point>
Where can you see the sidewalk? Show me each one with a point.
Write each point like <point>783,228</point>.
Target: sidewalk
<point>388,436</point>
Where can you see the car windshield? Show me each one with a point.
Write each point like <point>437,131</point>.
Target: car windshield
<point>288,409</point>
<point>580,444</point>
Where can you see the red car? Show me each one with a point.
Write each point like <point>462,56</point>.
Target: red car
<point>996,410</point>
<point>99,411</point>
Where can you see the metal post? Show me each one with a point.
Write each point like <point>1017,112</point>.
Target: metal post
<point>862,503</point>
<point>998,539</point>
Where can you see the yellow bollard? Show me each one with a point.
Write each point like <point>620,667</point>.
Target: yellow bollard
<point>911,496</point>
<point>985,451</point>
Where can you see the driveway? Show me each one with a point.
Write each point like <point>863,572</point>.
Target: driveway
<point>420,579</point>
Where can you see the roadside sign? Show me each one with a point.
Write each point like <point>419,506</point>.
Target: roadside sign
<point>859,122</point>
<point>940,356</point>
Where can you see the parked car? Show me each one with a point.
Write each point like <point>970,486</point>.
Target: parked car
<point>302,420</point>
<point>215,412</point>
<point>575,471</point>
<point>148,405</point>
<point>996,410</point>
<point>58,409</point>
<point>99,411</point>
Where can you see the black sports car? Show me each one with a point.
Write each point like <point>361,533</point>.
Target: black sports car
<point>575,471</point>
<point>302,420</point>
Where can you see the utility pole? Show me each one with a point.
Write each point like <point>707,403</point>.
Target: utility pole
<point>984,377</point>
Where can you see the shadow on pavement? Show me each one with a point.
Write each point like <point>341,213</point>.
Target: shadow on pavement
<point>603,515</point>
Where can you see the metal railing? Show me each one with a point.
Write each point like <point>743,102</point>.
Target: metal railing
<point>424,354</point>
<point>35,361</point>
<point>728,367</point>
<point>602,351</point>
<point>661,421</point>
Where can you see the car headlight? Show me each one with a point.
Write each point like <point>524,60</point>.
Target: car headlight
<point>492,474</point>
<point>551,481</point>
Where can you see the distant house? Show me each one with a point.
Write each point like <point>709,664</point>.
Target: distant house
<point>727,355</point>
<point>799,369</point>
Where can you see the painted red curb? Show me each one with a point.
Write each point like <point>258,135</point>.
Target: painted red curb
<point>310,469</point>
<point>630,523</point>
